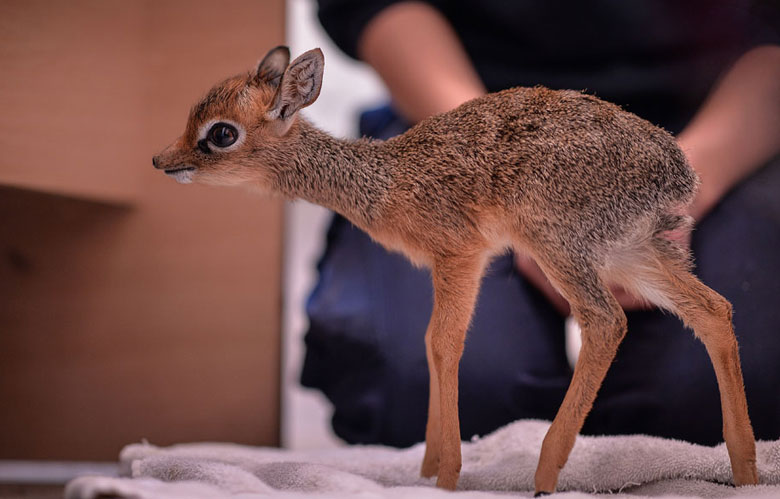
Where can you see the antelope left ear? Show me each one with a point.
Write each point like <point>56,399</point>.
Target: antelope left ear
<point>271,68</point>
<point>300,86</point>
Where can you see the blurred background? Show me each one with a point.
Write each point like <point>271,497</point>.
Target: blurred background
<point>132,307</point>
<point>348,88</point>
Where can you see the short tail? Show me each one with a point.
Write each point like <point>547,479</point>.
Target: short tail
<point>672,236</point>
<point>671,223</point>
<point>683,183</point>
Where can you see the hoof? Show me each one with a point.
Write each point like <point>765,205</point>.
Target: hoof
<point>429,471</point>
<point>429,468</point>
<point>748,476</point>
<point>447,482</point>
<point>541,493</point>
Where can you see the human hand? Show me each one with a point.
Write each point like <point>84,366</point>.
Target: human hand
<point>531,271</point>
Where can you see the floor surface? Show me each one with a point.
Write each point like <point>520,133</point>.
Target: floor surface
<point>14,491</point>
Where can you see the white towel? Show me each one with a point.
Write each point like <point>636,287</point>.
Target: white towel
<point>500,464</point>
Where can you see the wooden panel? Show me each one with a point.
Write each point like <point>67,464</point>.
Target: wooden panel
<point>81,81</point>
<point>71,90</point>
<point>157,318</point>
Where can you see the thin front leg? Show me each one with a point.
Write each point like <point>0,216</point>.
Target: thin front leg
<point>455,284</point>
<point>430,464</point>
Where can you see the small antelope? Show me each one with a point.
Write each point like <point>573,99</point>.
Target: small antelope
<point>593,193</point>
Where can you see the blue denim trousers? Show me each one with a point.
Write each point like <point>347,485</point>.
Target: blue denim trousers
<point>369,311</point>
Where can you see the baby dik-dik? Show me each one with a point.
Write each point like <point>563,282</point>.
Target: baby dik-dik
<point>591,192</point>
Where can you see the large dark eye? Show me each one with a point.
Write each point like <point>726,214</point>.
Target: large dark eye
<point>223,135</point>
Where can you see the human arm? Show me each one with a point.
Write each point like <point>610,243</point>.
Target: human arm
<point>737,130</point>
<point>420,58</point>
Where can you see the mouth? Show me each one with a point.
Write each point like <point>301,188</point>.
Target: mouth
<point>182,175</point>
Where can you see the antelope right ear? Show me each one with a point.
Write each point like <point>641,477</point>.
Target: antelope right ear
<point>300,86</point>
<point>271,68</point>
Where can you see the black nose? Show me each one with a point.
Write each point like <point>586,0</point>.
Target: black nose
<point>155,162</point>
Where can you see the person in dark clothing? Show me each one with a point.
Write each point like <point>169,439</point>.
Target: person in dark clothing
<point>658,59</point>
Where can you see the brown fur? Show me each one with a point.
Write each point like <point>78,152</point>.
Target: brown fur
<point>590,191</point>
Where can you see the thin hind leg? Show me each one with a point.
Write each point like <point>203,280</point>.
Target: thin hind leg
<point>603,325</point>
<point>662,276</point>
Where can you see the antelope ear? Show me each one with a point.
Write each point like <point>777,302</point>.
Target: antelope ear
<point>300,86</point>
<point>271,68</point>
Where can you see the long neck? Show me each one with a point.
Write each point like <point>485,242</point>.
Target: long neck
<point>350,177</point>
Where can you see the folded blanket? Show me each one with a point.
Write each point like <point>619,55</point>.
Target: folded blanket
<point>500,464</point>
